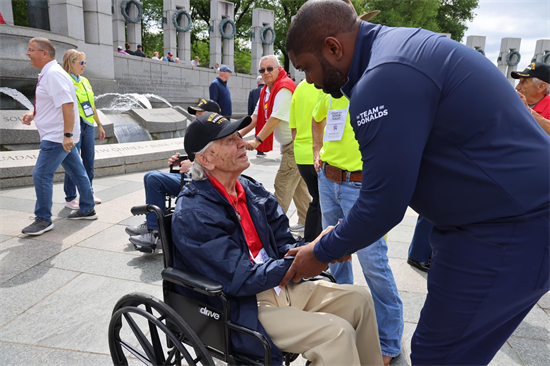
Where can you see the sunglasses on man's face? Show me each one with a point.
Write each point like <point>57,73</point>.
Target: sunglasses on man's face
<point>269,69</point>
<point>82,63</point>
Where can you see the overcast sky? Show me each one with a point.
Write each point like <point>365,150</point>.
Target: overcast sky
<point>497,19</point>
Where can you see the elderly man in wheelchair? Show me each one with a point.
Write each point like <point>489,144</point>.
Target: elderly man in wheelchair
<point>229,228</point>
<point>224,255</point>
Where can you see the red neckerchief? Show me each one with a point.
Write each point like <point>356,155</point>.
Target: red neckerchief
<point>283,81</point>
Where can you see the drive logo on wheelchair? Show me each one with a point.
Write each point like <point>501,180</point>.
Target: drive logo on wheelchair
<point>210,313</point>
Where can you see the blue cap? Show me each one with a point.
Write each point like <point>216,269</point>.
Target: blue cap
<point>224,68</point>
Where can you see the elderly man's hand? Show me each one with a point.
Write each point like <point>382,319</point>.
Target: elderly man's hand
<point>185,166</point>
<point>523,99</point>
<point>173,159</point>
<point>346,258</point>
<point>305,263</point>
<point>252,145</point>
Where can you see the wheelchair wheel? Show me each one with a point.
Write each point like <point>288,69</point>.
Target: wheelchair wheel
<point>147,329</point>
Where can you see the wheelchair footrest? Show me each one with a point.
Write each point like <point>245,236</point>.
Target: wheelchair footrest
<point>145,248</point>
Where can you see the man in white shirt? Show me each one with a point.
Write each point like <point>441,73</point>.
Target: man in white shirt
<point>275,112</point>
<point>57,120</point>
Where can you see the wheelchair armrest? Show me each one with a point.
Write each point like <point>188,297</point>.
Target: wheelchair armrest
<point>192,281</point>
<point>328,276</point>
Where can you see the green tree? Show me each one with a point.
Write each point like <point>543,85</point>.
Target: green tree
<point>152,35</point>
<point>453,14</point>
<point>20,15</point>
<point>404,13</point>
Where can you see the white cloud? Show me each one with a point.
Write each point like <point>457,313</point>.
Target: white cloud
<point>497,19</point>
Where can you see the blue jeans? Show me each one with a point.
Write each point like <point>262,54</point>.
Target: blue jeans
<point>337,199</point>
<point>420,249</point>
<point>86,148</point>
<point>51,156</point>
<point>157,184</point>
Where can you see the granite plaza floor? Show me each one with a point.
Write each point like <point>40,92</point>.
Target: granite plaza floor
<point>57,290</point>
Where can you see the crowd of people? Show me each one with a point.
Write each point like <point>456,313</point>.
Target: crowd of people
<point>427,123</point>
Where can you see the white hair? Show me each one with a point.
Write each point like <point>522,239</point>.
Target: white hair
<point>259,79</point>
<point>270,57</point>
<point>197,171</point>
<point>537,81</point>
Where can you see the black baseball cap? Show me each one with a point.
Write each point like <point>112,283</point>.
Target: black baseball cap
<point>537,70</point>
<point>205,105</point>
<point>209,127</point>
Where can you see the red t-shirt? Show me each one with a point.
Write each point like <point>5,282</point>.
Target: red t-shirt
<point>543,107</point>
<point>250,233</point>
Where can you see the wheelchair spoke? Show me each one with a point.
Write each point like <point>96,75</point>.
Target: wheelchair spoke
<point>142,339</point>
<point>137,354</point>
<point>157,346</point>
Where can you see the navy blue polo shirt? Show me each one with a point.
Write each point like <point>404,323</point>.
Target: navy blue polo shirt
<point>219,93</point>
<point>441,130</point>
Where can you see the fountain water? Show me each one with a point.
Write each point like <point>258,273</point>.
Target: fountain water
<point>124,102</point>
<point>18,96</point>
<point>125,128</point>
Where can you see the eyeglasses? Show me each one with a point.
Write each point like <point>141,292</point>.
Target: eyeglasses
<point>269,69</point>
<point>82,63</point>
<point>29,50</point>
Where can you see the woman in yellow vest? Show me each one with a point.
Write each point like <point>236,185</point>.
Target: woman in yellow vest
<point>74,62</point>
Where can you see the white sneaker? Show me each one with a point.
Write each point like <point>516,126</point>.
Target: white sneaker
<point>297,227</point>
<point>97,201</point>
<point>73,205</point>
<point>136,230</point>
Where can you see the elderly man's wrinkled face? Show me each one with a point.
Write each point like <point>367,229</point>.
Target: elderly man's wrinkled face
<point>320,73</point>
<point>228,155</point>
<point>533,93</point>
<point>269,76</point>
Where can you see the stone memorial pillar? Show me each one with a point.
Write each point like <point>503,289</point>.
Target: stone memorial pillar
<point>477,43</point>
<point>97,22</point>
<point>134,29</point>
<point>222,47</point>
<point>542,51</point>
<point>38,11</point>
<point>67,18</point>
<point>7,11</point>
<point>177,12</point>
<point>119,25</point>
<point>98,27</point>
<point>262,36</point>
<point>295,73</point>
<point>509,57</point>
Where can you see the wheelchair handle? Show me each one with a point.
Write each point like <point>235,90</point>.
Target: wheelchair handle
<point>145,209</point>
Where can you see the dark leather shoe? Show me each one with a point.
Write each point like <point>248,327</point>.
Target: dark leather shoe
<point>423,266</point>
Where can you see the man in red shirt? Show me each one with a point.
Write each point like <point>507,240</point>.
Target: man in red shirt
<point>534,84</point>
<point>228,228</point>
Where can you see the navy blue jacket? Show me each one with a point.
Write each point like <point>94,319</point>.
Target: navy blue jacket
<point>209,240</point>
<point>253,97</point>
<point>219,93</point>
<point>442,130</point>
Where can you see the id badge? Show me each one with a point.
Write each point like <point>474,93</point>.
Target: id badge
<point>87,108</point>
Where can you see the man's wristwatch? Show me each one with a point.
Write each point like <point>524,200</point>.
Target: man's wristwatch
<point>68,134</point>
<point>259,139</point>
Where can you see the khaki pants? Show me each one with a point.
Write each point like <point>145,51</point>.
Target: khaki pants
<point>329,324</point>
<point>289,184</point>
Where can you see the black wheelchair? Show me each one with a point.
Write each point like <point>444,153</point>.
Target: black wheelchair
<point>168,199</point>
<point>156,333</point>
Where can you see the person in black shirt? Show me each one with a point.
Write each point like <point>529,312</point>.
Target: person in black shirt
<point>128,51</point>
<point>139,52</point>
